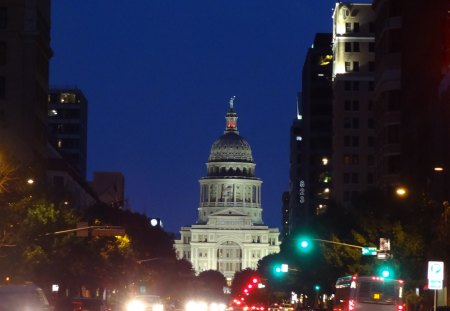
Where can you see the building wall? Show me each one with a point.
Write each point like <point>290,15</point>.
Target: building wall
<point>353,85</point>
<point>67,125</point>
<point>24,66</point>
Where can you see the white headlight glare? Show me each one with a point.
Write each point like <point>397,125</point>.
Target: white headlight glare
<point>158,307</point>
<point>135,305</point>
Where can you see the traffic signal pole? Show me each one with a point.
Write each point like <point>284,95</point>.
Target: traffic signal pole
<point>339,243</point>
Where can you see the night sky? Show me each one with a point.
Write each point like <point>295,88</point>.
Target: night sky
<point>158,75</point>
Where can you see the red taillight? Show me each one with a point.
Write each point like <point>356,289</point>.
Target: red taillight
<point>351,305</point>
<point>400,307</point>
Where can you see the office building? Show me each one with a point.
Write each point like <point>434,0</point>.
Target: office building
<point>67,126</point>
<point>353,141</point>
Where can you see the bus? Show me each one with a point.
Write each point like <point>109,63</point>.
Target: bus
<point>368,293</point>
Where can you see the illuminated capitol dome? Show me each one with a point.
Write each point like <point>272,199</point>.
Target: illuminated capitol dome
<point>229,235</point>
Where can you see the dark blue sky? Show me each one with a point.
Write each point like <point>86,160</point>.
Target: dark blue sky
<point>158,75</point>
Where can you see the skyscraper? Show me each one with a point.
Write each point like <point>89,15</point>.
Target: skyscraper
<point>24,66</point>
<point>67,126</point>
<point>310,137</point>
<point>353,141</point>
<point>411,99</point>
<point>229,234</point>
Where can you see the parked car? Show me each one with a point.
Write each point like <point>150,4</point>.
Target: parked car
<point>90,304</point>
<point>23,297</point>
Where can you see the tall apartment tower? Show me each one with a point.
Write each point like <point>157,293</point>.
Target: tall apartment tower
<point>310,140</point>
<point>412,96</point>
<point>67,126</point>
<point>24,72</point>
<point>353,85</point>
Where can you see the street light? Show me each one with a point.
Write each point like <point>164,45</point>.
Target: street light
<point>401,191</point>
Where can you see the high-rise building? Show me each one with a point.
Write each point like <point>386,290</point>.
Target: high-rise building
<point>353,141</point>
<point>310,137</point>
<point>411,100</point>
<point>67,126</point>
<point>229,235</point>
<point>24,72</point>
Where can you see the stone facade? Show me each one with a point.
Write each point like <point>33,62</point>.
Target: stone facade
<point>229,235</point>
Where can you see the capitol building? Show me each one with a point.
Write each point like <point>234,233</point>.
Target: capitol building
<point>229,234</point>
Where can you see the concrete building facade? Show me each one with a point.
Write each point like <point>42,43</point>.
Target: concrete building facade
<point>353,141</point>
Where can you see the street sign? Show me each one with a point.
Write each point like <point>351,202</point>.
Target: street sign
<point>369,251</point>
<point>436,284</point>
<point>385,244</point>
<point>435,270</point>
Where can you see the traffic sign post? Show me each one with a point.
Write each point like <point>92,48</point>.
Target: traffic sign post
<point>435,277</point>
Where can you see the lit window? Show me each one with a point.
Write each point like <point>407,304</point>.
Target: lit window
<point>298,138</point>
<point>324,161</point>
<point>59,143</point>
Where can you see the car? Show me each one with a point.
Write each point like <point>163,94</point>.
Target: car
<point>257,307</point>
<point>23,297</point>
<point>144,303</point>
<point>274,307</point>
<point>286,307</point>
<point>90,304</point>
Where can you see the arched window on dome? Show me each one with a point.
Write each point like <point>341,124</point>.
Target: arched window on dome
<point>245,171</point>
<point>254,194</point>
<point>223,171</point>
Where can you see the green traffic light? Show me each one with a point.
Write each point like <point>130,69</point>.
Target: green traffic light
<point>386,272</point>
<point>317,287</point>
<point>304,244</point>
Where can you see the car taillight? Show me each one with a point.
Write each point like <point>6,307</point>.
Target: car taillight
<point>400,307</point>
<point>351,305</point>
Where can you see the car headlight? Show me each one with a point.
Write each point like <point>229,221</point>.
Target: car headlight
<point>196,306</point>
<point>135,305</point>
<point>217,307</point>
<point>158,307</point>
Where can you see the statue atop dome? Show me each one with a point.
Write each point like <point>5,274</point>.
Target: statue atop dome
<point>232,101</point>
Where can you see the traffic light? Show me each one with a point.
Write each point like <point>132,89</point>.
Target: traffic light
<point>280,268</point>
<point>304,244</point>
<point>317,288</point>
<point>386,272</point>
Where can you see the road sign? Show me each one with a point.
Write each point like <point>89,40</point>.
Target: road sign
<point>369,251</point>
<point>435,270</point>
<point>435,284</point>
<point>385,244</point>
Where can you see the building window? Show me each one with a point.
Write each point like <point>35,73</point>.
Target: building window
<point>371,66</point>
<point>347,105</point>
<point>348,27</point>
<point>355,178</point>
<point>347,141</point>
<point>355,159</point>
<point>370,123</point>
<point>355,27</point>
<point>3,17</point>
<point>370,141</point>
<point>355,46</point>
<point>347,67</point>
<point>347,159</point>
<point>371,86</point>
<point>348,46</point>
<point>355,123</point>
<point>348,85</point>
<point>370,105</point>
<point>370,160</point>
<point>372,47</point>
<point>355,141</point>
<point>372,27</point>
<point>346,178</point>
<point>347,123</point>
<point>356,105</point>
<point>370,178</point>
<point>356,66</point>
<point>355,85</point>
